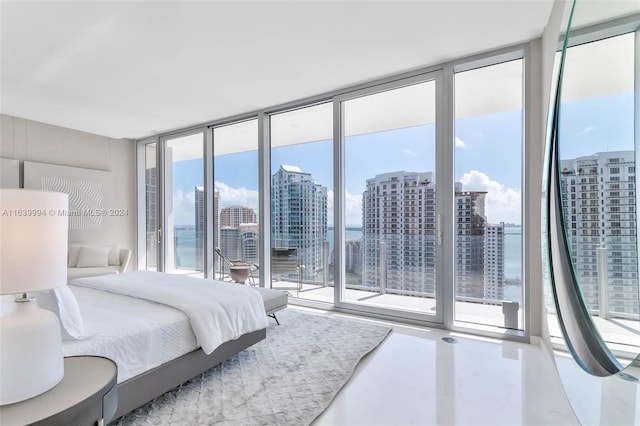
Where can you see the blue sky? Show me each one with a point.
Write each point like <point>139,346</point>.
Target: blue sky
<point>597,125</point>
<point>488,157</point>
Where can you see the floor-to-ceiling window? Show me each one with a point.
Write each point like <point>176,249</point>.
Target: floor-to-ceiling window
<point>184,205</point>
<point>488,195</point>
<point>390,240</point>
<point>149,198</point>
<point>302,201</point>
<point>406,193</point>
<point>236,213</point>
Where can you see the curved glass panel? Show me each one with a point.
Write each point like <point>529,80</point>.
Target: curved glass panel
<point>593,303</point>
<point>592,204</point>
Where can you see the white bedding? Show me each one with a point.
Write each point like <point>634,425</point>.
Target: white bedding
<point>218,311</point>
<point>138,335</point>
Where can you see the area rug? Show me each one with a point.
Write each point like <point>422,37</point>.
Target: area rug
<point>287,379</point>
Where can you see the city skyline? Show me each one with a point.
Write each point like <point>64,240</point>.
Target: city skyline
<point>585,130</point>
<point>408,239</point>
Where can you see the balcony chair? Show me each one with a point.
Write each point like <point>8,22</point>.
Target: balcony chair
<point>239,271</point>
<point>285,261</point>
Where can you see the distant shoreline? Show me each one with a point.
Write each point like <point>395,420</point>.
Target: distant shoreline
<point>347,228</point>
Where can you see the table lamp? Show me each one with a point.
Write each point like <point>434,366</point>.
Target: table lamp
<point>33,257</point>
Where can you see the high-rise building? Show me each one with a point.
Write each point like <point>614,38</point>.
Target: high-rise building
<point>238,232</point>
<point>470,243</point>
<point>240,243</point>
<point>494,261</point>
<point>229,242</point>
<point>352,256</point>
<point>398,221</point>
<point>199,212</point>
<point>235,215</point>
<point>299,217</point>
<point>216,229</point>
<point>151,198</point>
<point>200,224</point>
<point>599,205</point>
<point>249,242</point>
<point>216,210</point>
<point>399,238</point>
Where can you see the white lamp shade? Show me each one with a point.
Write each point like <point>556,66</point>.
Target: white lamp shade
<point>33,240</point>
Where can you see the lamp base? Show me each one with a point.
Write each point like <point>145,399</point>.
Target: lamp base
<point>31,360</point>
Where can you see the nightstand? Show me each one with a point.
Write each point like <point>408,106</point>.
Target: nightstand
<point>87,395</point>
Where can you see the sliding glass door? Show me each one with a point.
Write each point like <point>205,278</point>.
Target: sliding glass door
<point>148,207</point>
<point>389,228</point>
<point>301,202</point>
<point>183,205</point>
<point>236,213</point>
<point>488,195</point>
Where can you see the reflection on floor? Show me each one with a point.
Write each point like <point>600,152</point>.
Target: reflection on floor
<point>621,335</point>
<point>415,378</point>
<point>609,400</point>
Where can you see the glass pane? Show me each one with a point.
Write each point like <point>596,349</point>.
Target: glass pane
<point>235,167</point>
<point>184,205</point>
<point>390,245</point>
<point>598,179</point>
<point>151,207</point>
<point>488,195</point>
<point>301,193</point>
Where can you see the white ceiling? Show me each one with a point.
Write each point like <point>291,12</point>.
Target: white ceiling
<point>132,69</point>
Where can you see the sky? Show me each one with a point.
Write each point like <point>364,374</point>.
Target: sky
<point>488,157</point>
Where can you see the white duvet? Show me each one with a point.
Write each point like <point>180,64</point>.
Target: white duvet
<point>218,311</point>
<point>137,334</point>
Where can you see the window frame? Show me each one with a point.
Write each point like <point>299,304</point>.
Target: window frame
<point>339,141</point>
<point>444,186</point>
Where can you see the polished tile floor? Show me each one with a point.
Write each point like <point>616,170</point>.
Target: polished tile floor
<point>416,378</point>
<point>612,400</point>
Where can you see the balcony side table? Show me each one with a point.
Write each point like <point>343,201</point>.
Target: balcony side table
<point>87,395</point>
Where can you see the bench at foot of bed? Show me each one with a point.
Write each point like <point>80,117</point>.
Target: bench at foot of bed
<point>274,301</point>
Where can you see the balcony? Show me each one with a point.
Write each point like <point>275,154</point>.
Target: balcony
<point>498,313</point>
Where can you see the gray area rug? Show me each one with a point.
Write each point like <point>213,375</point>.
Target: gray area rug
<point>287,379</point>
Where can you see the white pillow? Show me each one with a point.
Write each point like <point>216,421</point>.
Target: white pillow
<point>92,257</point>
<point>63,303</point>
<point>114,255</point>
<point>74,252</point>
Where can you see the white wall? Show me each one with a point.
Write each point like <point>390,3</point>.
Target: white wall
<point>542,53</point>
<point>27,140</point>
<point>549,44</point>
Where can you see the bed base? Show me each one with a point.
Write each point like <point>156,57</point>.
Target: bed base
<point>151,384</point>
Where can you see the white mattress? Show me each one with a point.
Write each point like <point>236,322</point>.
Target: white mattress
<point>218,312</point>
<point>137,334</point>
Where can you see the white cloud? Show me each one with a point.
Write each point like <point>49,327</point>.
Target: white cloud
<point>410,153</point>
<point>184,208</point>
<point>585,131</point>
<point>501,204</point>
<point>460,143</point>
<point>353,206</point>
<point>237,196</point>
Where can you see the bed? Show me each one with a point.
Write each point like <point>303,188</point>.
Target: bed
<point>155,345</point>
